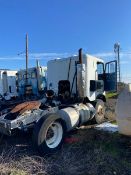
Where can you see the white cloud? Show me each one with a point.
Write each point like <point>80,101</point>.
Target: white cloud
<point>48,56</point>
<point>104,54</point>
<point>125,62</point>
<point>112,54</point>
<point>34,56</point>
<point>125,59</point>
<point>11,58</point>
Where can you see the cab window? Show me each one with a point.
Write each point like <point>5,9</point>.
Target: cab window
<point>100,70</point>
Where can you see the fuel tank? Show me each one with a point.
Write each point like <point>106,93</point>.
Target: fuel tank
<point>77,115</point>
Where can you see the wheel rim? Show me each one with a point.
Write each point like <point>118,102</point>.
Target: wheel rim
<point>100,112</point>
<point>54,135</point>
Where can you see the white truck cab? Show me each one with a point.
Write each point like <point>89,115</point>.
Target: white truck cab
<point>87,75</point>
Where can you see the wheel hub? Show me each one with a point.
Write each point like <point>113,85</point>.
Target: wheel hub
<point>54,135</point>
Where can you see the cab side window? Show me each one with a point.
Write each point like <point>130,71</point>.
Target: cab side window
<point>100,70</point>
<point>110,68</point>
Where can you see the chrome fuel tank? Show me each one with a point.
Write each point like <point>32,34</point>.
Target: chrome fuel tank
<point>77,114</point>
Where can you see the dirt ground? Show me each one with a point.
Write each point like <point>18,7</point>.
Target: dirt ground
<point>85,152</point>
<point>110,109</point>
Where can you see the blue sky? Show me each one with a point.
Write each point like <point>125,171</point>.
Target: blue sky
<point>58,28</point>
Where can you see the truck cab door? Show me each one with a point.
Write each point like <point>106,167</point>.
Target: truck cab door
<point>110,76</point>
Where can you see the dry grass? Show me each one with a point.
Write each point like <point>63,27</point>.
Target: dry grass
<point>13,163</point>
<point>94,152</point>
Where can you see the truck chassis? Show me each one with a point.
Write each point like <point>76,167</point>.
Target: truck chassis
<point>51,121</point>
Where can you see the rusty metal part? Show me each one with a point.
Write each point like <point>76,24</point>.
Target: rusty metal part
<point>21,108</point>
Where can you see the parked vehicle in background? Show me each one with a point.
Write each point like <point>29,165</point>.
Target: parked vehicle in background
<point>8,84</point>
<point>35,83</point>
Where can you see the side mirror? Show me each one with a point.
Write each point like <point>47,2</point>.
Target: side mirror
<point>96,85</point>
<point>93,85</point>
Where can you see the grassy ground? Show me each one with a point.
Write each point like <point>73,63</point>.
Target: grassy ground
<point>86,151</point>
<point>114,122</point>
<point>111,95</point>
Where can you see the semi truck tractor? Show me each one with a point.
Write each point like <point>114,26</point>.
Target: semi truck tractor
<point>75,95</point>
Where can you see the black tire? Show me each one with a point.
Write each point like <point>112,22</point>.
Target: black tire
<point>100,111</point>
<point>40,133</point>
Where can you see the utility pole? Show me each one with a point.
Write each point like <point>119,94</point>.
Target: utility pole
<point>26,59</point>
<point>117,52</point>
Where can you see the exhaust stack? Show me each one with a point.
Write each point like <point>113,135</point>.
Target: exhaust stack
<point>80,56</point>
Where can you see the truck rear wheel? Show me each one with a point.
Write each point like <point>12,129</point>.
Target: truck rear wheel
<point>100,111</point>
<point>49,133</point>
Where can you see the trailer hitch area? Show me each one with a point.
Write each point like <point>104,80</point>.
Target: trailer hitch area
<point>21,109</point>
